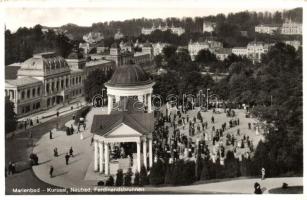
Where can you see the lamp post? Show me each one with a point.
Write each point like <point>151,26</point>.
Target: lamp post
<point>208,98</point>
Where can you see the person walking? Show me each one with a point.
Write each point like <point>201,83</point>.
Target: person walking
<point>92,141</point>
<point>262,173</point>
<point>66,158</point>
<point>71,152</point>
<point>212,120</point>
<point>50,134</point>
<point>55,152</point>
<point>51,171</point>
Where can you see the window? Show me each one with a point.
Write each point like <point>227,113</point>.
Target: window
<point>38,105</point>
<point>47,87</point>
<point>28,93</point>
<point>66,82</point>
<point>38,91</point>
<point>22,94</point>
<point>62,84</point>
<point>58,85</point>
<point>33,92</point>
<point>52,86</point>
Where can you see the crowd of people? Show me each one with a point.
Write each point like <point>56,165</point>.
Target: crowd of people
<point>181,134</point>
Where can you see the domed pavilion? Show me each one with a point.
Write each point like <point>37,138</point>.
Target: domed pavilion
<point>126,131</point>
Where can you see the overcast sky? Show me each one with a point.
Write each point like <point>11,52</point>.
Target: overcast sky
<point>85,14</point>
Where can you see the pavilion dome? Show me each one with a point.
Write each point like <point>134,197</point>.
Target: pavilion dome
<point>129,75</point>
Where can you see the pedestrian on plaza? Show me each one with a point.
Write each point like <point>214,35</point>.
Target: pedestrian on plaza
<point>31,122</point>
<point>212,120</point>
<point>30,134</point>
<point>57,113</point>
<point>84,125</point>
<point>37,121</point>
<point>71,152</point>
<point>50,134</point>
<point>55,152</point>
<point>73,117</point>
<point>78,128</point>
<point>92,141</point>
<point>262,173</point>
<point>249,126</point>
<point>66,158</point>
<point>51,171</point>
<point>238,131</point>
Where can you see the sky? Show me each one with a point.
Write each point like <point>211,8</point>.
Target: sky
<point>85,13</point>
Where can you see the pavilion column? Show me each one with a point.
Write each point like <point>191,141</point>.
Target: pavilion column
<point>150,152</point>
<point>106,159</point>
<point>139,155</point>
<point>95,155</point>
<point>145,153</point>
<point>100,157</point>
<point>110,104</point>
<point>149,103</point>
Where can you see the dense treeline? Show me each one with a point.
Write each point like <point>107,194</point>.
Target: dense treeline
<point>22,44</point>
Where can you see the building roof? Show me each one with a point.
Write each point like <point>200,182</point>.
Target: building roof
<point>141,122</point>
<point>22,81</point>
<point>223,51</point>
<point>39,62</point>
<point>129,75</point>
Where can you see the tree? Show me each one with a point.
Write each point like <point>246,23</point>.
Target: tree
<point>157,173</point>
<point>119,178</point>
<point>94,83</point>
<point>205,56</point>
<point>10,116</point>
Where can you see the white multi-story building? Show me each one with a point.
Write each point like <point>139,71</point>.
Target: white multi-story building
<point>267,28</point>
<point>158,48</point>
<point>239,51</point>
<point>222,53</point>
<point>291,28</point>
<point>256,49</point>
<point>47,80</point>
<point>295,43</point>
<point>93,37</point>
<point>195,47</point>
<point>176,30</point>
<point>209,26</point>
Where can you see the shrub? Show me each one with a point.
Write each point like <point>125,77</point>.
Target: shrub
<point>119,178</point>
<point>127,179</point>
<point>157,173</point>
<point>110,181</point>
<point>143,176</point>
<point>205,172</point>
<point>136,181</point>
<point>168,174</point>
<point>232,167</point>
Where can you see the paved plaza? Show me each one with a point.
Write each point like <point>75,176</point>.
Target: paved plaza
<point>79,171</point>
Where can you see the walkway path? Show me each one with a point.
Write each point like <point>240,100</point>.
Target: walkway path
<point>245,186</point>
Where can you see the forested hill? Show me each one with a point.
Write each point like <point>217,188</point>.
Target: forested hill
<point>243,20</point>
